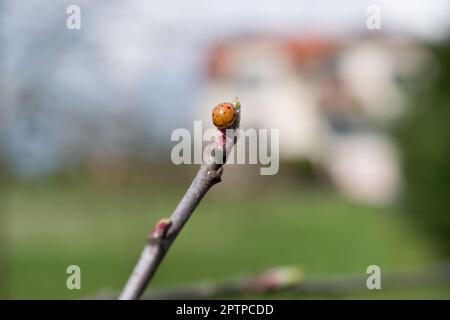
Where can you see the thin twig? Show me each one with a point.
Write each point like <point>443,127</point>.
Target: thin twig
<point>166,230</point>
<point>290,280</point>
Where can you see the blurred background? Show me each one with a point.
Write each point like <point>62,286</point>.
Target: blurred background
<point>87,116</point>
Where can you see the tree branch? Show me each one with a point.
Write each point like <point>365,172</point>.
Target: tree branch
<point>166,230</point>
<point>290,280</point>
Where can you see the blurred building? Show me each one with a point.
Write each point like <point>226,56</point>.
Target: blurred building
<point>331,100</point>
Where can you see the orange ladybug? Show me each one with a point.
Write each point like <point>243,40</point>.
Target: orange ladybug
<point>226,115</point>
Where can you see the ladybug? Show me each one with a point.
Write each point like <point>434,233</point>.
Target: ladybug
<point>225,115</point>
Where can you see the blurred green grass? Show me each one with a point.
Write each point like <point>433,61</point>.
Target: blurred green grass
<point>53,225</point>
